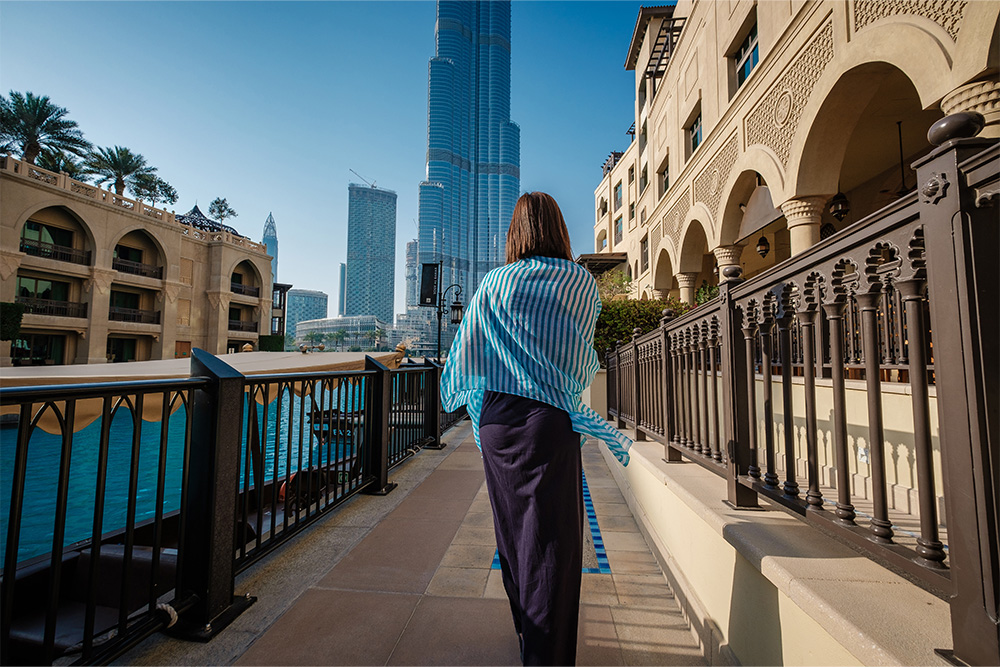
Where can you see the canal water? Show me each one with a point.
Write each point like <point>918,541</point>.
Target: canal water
<point>283,431</point>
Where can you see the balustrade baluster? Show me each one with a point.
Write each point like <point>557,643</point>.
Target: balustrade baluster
<point>692,389</point>
<point>881,527</point>
<point>766,327</point>
<point>807,319</point>
<point>713,403</point>
<point>790,487</point>
<point>835,317</point>
<point>749,334</point>
<point>706,447</point>
<point>929,547</point>
<point>677,426</point>
<point>682,385</point>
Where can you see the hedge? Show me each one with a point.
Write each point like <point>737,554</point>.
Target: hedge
<point>10,320</point>
<point>619,317</point>
<point>271,343</point>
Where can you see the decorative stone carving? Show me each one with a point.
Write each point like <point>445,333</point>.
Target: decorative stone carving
<point>946,13</point>
<point>774,120</point>
<point>171,290</point>
<point>727,255</point>
<point>660,294</point>
<point>100,279</point>
<point>803,217</point>
<point>655,234</point>
<point>9,265</point>
<point>218,299</point>
<point>686,283</point>
<point>674,218</point>
<point>708,184</point>
<point>981,96</point>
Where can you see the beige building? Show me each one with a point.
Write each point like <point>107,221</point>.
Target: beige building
<point>753,120</point>
<point>106,278</point>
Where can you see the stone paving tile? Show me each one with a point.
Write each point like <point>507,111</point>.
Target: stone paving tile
<point>597,640</point>
<point>469,555</point>
<point>598,589</point>
<point>616,541</point>
<point>620,524</point>
<point>464,582</point>
<point>644,590</point>
<point>494,586</point>
<point>633,562</point>
<point>470,535</point>
<point>655,637</point>
<point>458,631</point>
<point>326,627</point>
<point>611,509</point>
<point>479,520</point>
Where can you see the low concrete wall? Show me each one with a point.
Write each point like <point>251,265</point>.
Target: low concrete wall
<point>764,588</point>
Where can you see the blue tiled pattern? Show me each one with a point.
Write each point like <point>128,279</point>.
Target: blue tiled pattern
<point>603,566</point>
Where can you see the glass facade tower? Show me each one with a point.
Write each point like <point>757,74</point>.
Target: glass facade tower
<point>371,249</point>
<point>473,148</point>
<point>271,243</point>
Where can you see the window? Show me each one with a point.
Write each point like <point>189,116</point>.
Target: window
<point>124,300</point>
<point>631,211</point>
<point>631,174</point>
<point>39,288</point>
<point>618,230</point>
<point>128,254</point>
<point>644,254</point>
<point>184,312</point>
<point>643,179</point>
<point>36,231</point>
<point>618,196</point>
<point>693,132</point>
<point>746,56</point>
<point>642,217</point>
<point>187,271</point>
<point>663,178</point>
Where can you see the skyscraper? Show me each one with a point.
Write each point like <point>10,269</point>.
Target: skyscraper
<point>341,289</point>
<point>271,243</point>
<point>304,304</point>
<point>412,273</point>
<point>371,249</point>
<point>473,148</point>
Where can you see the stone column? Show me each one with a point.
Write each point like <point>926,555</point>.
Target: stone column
<point>686,281</point>
<point>96,349</point>
<point>217,319</point>
<point>661,294</point>
<point>725,256</point>
<point>803,216</point>
<point>166,300</point>
<point>980,96</point>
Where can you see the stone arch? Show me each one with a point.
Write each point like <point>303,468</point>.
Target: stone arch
<point>140,229</point>
<point>601,236</point>
<point>977,39</point>
<point>756,161</point>
<point>663,272</point>
<point>58,203</point>
<point>698,221</point>
<point>850,82</point>
<point>255,270</point>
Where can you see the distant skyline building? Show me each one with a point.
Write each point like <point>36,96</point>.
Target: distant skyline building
<point>341,289</point>
<point>304,304</point>
<point>473,148</point>
<point>412,273</point>
<point>270,239</point>
<point>371,248</point>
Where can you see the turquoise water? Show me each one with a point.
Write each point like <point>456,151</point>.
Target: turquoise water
<point>44,451</point>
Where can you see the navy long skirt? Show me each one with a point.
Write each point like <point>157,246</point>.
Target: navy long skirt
<point>533,474</point>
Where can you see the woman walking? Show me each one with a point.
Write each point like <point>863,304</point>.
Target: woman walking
<point>520,361</point>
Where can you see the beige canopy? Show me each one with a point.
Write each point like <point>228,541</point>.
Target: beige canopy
<point>247,363</point>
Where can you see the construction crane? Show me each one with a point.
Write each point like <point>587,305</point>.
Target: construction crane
<point>371,185</point>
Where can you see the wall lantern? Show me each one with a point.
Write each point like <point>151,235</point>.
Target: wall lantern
<point>763,247</point>
<point>839,206</point>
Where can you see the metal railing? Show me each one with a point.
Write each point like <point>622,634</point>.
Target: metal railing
<point>122,314</point>
<point>52,307</point>
<point>137,268</point>
<point>238,325</point>
<point>53,251</point>
<point>246,290</point>
<point>129,495</point>
<point>732,385</point>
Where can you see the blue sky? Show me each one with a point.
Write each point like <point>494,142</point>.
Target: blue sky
<point>269,104</point>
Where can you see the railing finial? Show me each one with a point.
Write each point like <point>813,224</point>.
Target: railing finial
<point>962,125</point>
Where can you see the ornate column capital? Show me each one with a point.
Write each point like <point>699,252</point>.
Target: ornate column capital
<point>9,263</point>
<point>727,255</point>
<point>661,294</point>
<point>686,280</point>
<point>101,279</point>
<point>979,96</point>
<point>804,210</point>
<point>219,299</point>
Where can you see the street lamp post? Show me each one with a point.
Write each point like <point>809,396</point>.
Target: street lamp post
<point>455,308</point>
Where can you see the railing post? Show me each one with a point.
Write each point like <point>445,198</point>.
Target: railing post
<point>619,421</point>
<point>957,186</point>
<point>432,405</point>
<point>636,385</point>
<point>670,454</point>
<point>206,568</point>
<point>735,420</point>
<point>377,428</point>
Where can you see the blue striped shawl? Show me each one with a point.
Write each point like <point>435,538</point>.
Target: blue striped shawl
<point>529,331</point>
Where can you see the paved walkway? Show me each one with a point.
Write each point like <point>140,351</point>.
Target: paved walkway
<point>420,589</point>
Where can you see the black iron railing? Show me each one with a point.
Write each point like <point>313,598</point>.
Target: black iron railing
<point>137,268</point>
<point>121,314</point>
<point>734,384</point>
<point>238,325</point>
<point>122,494</point>
<point>52,251</point>
<point>246,290</point>
<point>52,307</point>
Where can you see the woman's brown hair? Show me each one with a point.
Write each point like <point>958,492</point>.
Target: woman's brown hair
<point>537,229</point>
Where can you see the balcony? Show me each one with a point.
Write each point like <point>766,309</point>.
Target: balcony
<point>121,314</point>
<point>137,268</point>
<point>238,325</point>
<point>52,307</point>
<point>245,290</point>
<point>57,252</point>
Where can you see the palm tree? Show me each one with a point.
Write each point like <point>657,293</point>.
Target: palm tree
<point>58,161</point>
<point>119,165</point>
<point>33,123</point>
<point>153,189</point>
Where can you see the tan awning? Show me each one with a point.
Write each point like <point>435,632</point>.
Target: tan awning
<point>759,213</point>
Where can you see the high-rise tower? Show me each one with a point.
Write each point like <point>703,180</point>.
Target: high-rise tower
<point>473,148</point>
<point>271,243</point>
<point>412,273</point>
<point>371,249</point>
